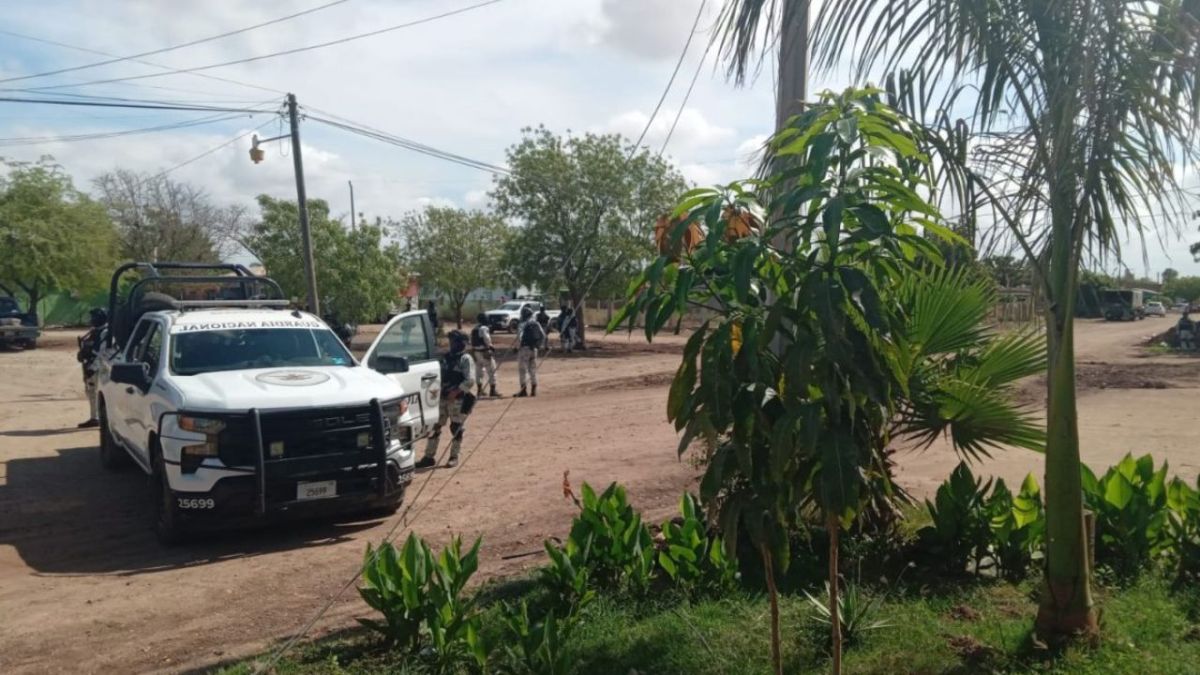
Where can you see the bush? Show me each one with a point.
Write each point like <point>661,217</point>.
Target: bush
<point>420,595</point>
<point>608,544</point>
<point>537,647</point>
<point>1130,503</point>
<point>691,557</point>
<point>983,524</point>
<point>1183,529</point>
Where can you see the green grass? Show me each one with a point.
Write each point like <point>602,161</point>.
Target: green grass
<point>966,628</point>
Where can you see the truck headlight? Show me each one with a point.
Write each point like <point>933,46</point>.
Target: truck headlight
<point>201,425</point>
<point>192,456</point>
<point>392,412</point>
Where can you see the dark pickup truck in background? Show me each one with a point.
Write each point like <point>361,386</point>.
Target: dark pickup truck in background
<point>16,327</point>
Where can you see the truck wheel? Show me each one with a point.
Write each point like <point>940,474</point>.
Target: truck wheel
<point>512,325</point>
<point>167,526</point>
<point>112,457</point>
<point>31,343</point>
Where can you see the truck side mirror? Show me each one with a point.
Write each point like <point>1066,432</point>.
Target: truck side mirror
<point>389,364</point>
<point>135,374</point>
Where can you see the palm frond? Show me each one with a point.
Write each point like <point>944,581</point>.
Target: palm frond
<point>945,310</point>
<point>975,418</point>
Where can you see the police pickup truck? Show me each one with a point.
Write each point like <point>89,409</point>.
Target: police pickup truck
<point>508,315</point>
<point>239,408</point>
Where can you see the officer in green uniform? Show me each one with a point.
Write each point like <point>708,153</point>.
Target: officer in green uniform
<point>457,401</point>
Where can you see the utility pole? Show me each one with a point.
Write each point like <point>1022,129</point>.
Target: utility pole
<point>310,273</point>
<point>353,213</point>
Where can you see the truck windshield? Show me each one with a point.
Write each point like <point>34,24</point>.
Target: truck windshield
<point>9,306</point>
<point>217,350</point>
<point>512,305</point>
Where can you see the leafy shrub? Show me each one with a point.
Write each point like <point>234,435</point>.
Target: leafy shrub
<point>609,540</point>
<point>982,523</point>
<point>960,533</point>
<point>418,594</point>
<point>566,580</point>
<point>1130,503</point>
<point>690,556</point>
<point>1018,527</point>
<point>1183,528</point>
<point>536,647</point>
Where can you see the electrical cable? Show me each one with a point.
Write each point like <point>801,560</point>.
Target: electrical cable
<point>687,95</point>
<point>104,135</point>
<point>671,81</point>
<point>206,153</point>
<point>412,145</point>
<point>163,50</point>
<point>286,52</point>
<point>139,106</point>
<point>206,76</point>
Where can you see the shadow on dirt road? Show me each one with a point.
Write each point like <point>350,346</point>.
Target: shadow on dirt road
<point>65,515</point>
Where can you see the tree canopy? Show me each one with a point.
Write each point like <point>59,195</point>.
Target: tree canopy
<point>161,219</point>
<point>358,276</point>
<point>455,251</point>
<point>52,236</point>
<point>584,206</point>
<point>1185,288</point>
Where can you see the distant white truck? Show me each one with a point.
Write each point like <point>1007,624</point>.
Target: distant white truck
<point>508,315</point>
<point>239,408</point>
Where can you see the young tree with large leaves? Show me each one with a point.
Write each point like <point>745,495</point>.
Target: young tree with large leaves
<point>837,335</point>
<point>1082,109</point>
<point>584,207</point>
<point>52,237</point>
<point>455,251</point>
<point>359,276</point>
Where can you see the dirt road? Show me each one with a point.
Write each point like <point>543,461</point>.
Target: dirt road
<point>84,587</point>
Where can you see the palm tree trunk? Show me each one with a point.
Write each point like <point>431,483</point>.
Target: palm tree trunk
<point>1066,604</point>
<point>793,62</point>
<point>834,527</point>
<point>773,594</point>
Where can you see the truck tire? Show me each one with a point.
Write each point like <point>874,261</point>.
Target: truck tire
<point>30,344</point>
<point>512,325</point>
<point>168,527</point>
<point>112,456</point>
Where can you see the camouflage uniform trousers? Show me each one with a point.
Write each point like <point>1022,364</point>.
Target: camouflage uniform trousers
<point>527,366</point>
<point>449,410</point>
<point>485,362</point>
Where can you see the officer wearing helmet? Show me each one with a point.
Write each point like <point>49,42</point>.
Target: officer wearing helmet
<point>458,380</point>
<point>530,337</point>
<point>89,347</point>
<point>484,355</point>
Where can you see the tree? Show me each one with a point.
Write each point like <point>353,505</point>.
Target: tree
<point>454,251</point>
<point>161,219</point>
<point>585,207</point>
<point>838,334</point>
<point>1085,107</point>
<point>358,276</point>
<point>52,236</point>
<point>1185,288</point>
<point>1168,275</point>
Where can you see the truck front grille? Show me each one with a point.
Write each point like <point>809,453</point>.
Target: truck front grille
<point>296,434</point>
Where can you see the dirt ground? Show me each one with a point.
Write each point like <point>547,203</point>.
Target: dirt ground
<point>84,586</point>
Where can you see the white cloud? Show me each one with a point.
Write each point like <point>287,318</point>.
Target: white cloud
<point>476,199</point>
<point>692,132</point>
<point>648,29</point>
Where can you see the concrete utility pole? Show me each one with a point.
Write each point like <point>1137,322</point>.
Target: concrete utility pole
<point>310,273</point>
<point>353,213</point>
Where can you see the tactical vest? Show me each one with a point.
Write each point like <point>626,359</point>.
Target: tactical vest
<point>452,375</point>
<point>477,338</point>
<point>532,335</point>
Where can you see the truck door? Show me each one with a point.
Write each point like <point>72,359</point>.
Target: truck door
<point>135,405</point>
<point>410,336</point>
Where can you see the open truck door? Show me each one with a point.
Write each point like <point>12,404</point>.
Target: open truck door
<point>406,351</point>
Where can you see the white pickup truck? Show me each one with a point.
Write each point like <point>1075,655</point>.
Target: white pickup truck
<point>508,315</point>
<point>239,408</point>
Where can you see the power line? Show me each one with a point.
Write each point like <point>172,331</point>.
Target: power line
<point>272,55</point>
<point>414,146</point>
<point>216,78</point>
<point>206,153</point>
<point>104,135</point>
<point>140,106</point>
<point>671,80</point>
<point>686,96</point>
<point>163,50</point>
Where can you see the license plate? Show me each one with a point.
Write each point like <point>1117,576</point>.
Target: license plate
<point>320,489</point>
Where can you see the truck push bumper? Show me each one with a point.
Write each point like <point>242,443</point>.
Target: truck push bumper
<point>300,463</point>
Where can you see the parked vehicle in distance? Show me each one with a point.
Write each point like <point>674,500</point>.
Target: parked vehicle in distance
<point>508,315</point>
<point>240,408</point>
<point>1123,304</point>
<point>16,327</point>
<point>1155,308</point>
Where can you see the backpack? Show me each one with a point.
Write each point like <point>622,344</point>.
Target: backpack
<point>477,338</point>
<point>532,334</point>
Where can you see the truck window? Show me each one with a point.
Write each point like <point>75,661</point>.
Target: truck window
<point>218,350</point>
<point>137,341</point>
<point>151,348</point>
<point>407,338</point>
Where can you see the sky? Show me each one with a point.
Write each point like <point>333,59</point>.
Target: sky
<point>466,83</point>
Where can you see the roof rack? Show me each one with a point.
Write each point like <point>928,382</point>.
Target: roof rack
<point>240,286</point>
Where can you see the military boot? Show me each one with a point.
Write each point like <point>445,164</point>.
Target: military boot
<point>533,392</point>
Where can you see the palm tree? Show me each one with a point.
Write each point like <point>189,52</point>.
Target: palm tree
<point>1081,112</point>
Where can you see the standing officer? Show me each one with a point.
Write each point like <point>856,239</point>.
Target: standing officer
<point>89,347</point>
<point>458,378</point>
<point>484,354</point>
<point>530,338</point>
